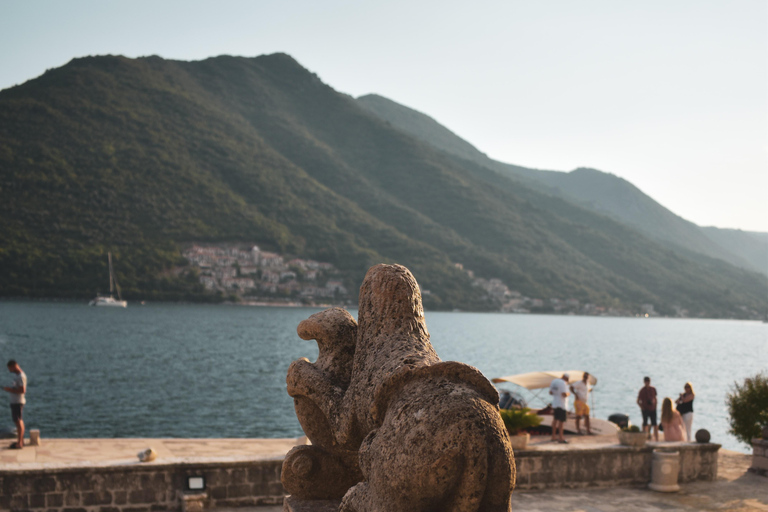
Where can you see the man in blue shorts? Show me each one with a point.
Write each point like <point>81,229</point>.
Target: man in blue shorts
<point>17,389</point>
<point>646,399</point>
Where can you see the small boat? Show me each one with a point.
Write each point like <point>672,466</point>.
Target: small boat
<point>109,300</point>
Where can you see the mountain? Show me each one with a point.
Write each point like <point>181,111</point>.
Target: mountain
<point>143,156</point>
<point>597,191</point>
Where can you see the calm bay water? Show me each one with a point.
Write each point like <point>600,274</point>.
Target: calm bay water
<point>167,370</point>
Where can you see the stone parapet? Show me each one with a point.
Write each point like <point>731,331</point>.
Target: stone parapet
<point>609,465</point>
<point>158,487</point>
<point>141,488</point>
<point>759,457</point>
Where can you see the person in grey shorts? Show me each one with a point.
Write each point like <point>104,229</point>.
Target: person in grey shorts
<point>17,389</point>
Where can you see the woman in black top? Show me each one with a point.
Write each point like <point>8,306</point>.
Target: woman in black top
<point>685,407</point>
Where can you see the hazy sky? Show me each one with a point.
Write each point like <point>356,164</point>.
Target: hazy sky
<point>671,95</point>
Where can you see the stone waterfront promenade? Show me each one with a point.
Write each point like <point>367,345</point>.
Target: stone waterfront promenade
<point>104,475</point>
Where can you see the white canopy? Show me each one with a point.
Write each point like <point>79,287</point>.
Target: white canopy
<point>540,380</point>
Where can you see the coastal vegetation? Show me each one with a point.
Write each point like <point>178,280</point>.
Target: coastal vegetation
<point>143,157</point>
<point>748,408</point>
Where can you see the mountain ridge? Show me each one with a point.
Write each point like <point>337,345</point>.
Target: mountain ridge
<point>596,190</point>
<point>142,155</point>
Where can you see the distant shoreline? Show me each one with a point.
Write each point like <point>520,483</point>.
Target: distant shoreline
<point>136,304</point>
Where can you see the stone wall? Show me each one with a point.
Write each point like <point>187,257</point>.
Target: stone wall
<point>759,457</point>
<point>160,487</point>
<point>609,466</point>
<point>139,488</point>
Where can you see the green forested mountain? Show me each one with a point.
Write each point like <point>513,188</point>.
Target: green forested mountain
<point>141,156</point>
<point>598,191</point>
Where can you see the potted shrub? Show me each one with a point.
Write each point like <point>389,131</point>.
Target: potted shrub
<point>516,421</point>
<point>633,436</point>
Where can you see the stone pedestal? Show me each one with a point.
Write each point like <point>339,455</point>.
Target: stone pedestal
<point>664,470</point>
<point>34,437</point>
<point>291,504</point>
<point>759,457</point>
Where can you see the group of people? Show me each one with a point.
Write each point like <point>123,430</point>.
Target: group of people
<point>558,388</point>
<point>676,418</point>
<point>676,422</point>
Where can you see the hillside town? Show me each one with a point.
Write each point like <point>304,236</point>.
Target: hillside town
<point>248,274</point>
<point>511,301</point>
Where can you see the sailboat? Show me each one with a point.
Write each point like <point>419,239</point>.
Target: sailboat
<point>110,301</point>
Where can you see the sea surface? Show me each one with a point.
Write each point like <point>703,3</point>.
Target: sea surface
<point>179,370</point>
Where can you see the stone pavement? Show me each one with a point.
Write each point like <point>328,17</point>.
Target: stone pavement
<point>107,452</point>
<point>735,490</point>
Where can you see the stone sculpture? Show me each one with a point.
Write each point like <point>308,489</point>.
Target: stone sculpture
<point>394,428</point>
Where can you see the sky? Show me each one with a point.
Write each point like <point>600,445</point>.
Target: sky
<point>671,96</point>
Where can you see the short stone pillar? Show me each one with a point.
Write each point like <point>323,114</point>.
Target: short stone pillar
<point>664,470</point>
<point>759,457</point>
<point>34,437</point>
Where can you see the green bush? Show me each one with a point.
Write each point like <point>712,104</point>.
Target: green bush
<point>631,428</point>
<point>519,419</point>
<point>748,408</point>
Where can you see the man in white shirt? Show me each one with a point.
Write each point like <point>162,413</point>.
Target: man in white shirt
<point>581,395</point>
<point>17,389</point>
<point>558,388</point>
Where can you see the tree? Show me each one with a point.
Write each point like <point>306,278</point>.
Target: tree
<point>748,408</point>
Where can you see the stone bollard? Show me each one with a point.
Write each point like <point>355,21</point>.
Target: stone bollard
<point>34,437</point>
<point>664,470</point>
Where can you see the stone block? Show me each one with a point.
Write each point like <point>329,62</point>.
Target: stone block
<point>141,496</point>
<point>239,490</point>
<point>54,499</point>
<point>44,484</point>
<point>120,497</point>
<point>96,498</point>
<point>153,481</point>
<point>37,501</point>
<point>72,499</point>
<point>109,509</point>
<point>16,484</point>
<point>214,478</point>
<point>74,510</point>
<point>759,463</point>
<point>260,474</point>
<point>81,481</point>
<point>137,509</point>
<point>218,493</point>
<point>193,502</point>
<point>238,476</point>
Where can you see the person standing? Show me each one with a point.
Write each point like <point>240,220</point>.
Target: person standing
<point>17,390</point>
<point>558,388</point>
<point>581,391</point>
<point>685,407</point>
<point>646,399</point>
<point>674,428</point>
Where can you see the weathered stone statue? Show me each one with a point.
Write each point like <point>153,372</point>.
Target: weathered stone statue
<point>394,428</point>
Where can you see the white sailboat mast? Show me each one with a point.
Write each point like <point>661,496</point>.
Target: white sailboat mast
<point>111,275</point>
